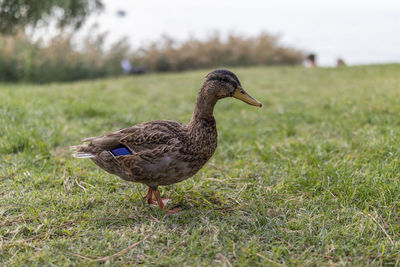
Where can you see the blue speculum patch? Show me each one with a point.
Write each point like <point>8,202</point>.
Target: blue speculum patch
<point>121,151</point>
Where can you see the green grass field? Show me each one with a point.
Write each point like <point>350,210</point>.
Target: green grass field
<point>311,178</point>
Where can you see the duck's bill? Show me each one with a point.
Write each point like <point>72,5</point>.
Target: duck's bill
<point>241,94</point>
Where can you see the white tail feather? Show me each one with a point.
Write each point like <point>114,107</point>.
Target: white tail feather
<point>83,155</point>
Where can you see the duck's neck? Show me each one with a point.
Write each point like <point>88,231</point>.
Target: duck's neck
<point>203,111</point>
<point>202,130</point>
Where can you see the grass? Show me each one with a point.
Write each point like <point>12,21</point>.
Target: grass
<point>311,178</point>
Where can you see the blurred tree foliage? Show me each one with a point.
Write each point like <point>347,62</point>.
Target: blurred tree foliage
<point>16,14</point>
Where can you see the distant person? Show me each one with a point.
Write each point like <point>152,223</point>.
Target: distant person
<point>126,66</point>
<point>311,59</point>
<point>129,69</point>
<point>340,62</point>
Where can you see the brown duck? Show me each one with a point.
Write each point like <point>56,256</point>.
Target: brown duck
<point>166,152</point>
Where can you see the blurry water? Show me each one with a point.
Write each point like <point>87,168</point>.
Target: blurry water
<point>360,32</point>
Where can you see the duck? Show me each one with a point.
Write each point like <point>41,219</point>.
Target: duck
<point>164,152</point>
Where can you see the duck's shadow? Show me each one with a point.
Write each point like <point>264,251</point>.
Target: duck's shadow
<point>138,212</point>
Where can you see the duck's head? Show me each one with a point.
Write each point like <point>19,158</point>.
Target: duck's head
<point>224,83</point>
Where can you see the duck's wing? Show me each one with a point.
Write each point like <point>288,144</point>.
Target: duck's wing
<point>138,138</point>
<point>151,135</point>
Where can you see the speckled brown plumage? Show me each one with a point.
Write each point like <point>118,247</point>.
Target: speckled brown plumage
<point>166,152</point>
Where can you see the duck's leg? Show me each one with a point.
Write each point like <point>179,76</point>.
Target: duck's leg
<point>163,201</point>
<point>149,197</point>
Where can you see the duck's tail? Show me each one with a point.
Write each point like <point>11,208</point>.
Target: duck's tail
<point>99,144</point>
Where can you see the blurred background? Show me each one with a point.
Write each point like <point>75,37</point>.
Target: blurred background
<point>47,41</point>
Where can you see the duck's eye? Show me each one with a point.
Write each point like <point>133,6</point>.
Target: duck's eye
<point>242,91</point>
